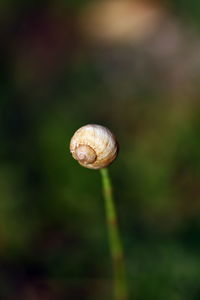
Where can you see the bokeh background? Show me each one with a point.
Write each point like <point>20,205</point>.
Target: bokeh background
<point>133,66</point>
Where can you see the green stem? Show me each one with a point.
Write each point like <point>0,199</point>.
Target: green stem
<point>120,285</point>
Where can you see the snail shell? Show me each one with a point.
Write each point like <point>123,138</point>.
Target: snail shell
<point>94,146</point>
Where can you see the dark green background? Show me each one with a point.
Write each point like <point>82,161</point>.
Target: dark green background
<point>53,239</point>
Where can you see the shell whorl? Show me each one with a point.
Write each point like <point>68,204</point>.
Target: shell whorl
<point>94,146</point>
<point>85,154</point>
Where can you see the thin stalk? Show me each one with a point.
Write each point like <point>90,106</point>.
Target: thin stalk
<point>116,249</point>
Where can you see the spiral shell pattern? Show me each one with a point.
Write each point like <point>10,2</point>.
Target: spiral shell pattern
<point>94,146</point>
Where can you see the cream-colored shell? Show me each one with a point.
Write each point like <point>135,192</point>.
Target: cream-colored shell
<point>100,139</point>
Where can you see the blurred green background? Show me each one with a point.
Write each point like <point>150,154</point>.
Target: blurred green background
<point>134,67</point>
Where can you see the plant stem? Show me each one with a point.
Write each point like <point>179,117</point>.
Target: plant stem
<point>120,285</point>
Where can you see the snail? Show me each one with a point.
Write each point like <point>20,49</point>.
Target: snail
<point>94,146</point>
